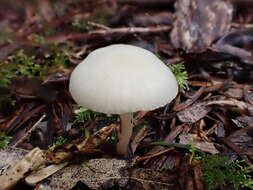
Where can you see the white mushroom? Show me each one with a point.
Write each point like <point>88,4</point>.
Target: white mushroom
<point>122,79</point>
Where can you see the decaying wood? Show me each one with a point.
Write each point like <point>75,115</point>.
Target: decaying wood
<point>104,169</point>
<point>37,158</point>
<point>235,148</point>
<point>32,161</point>
<point>38,176</point>
<point>9,156</point>
<point>198,23</point>
<point>245,56</point>
<point>90,145</point>
<point>231,102</point>
<point>198,177</point>
<point>194,113</point>
<point>205,146</point>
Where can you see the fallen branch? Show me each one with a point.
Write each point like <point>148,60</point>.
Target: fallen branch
<point>109,32</point>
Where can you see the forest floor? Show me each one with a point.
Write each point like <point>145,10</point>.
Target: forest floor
<point>202,140</point>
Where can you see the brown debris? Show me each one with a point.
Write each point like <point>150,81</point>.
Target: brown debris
<point>198,178</point>
<point>194,113</point>
<point>205,146</point>
<point>109,33</point>
<point>188,102</point>
<point>32,161</point>
<point>198,23</point>
<point>37,158</point>
<point>215,114</point>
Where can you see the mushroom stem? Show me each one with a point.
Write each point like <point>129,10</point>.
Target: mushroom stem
<point>125,133</point>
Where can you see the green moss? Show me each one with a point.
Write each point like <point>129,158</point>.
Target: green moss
<point>83,115</point>
<point>60,141</point>
<point>4,139</point>
<point>181,75</point>
<point>218,172</point>
<point>25,65</point>
<point>6,73</point>
<point>82,25</point>
<point>61,59</point>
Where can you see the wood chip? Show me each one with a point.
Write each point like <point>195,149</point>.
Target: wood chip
<point>38,176</point>
<point>193,113</point>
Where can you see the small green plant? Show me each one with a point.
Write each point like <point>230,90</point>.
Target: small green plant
<point>83,115</point>
<point>86,132</point>
<point>61,59</point>
<point>20,64</point>
<point>60,140</point>
<point>81,25</point>
<point>38,39</point>
<point>6,101</point>
<point>4,139</point>
<point>6,74</point>
<point>180,74</point>
<point>49,32</point>
<point>25,65</point>
<point>217,171</point>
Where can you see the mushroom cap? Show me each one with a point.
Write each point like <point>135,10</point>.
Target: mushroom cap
<point>121,79</point>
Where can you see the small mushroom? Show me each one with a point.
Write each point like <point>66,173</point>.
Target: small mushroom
<point>122,79</point>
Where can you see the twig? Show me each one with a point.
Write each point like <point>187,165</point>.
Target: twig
<point>99,25</point>
<point>30,130</point>
<point>230,102</point>
<point>112,31</point>
<point>198,177</point>
<point>190,101</point>
<point>155,154</point>
<point>244,55</point>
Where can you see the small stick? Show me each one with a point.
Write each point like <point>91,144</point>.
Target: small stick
<point>30,130</point>
<point>155,154</point>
